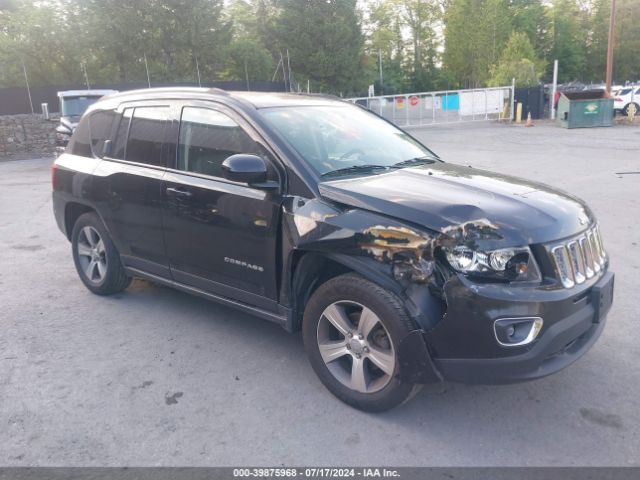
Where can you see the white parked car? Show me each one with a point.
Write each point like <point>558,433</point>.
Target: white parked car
<point>624,97</point>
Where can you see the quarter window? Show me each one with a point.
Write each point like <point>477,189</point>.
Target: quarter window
<point>100,123</point>
<point>207,138</point>
<point>80,141</point>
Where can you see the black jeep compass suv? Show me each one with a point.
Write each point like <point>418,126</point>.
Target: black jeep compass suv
<point>314,213</point>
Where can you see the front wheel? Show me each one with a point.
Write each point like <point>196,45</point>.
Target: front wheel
<point>351,331</point>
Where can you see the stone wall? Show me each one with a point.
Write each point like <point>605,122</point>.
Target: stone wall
<point>27,136</point>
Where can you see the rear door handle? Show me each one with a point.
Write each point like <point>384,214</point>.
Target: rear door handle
<point>178,192</point>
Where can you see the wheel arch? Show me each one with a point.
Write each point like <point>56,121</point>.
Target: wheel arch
<point>311,269</point>
<point>72,212</point>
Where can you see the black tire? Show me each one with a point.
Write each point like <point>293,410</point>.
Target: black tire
<point>112,279</point>
<point>389,312</point>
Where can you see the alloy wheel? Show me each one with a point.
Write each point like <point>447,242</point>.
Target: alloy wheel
<point>92,254</point>
<point>356,347</point>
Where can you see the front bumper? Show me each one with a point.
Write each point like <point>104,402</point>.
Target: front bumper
<point>462,347</point>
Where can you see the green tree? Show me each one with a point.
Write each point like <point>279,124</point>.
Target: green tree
<point>518,61</point>
<point>254,19</point>
<point>248,59</point>
<point>325,40</point>
<point>179,31</point>
<point>325,43</point>
<point>627,46</point>
<point>475,34</point>
<point>385,42</point>
<point>528,17</point>
<point>172,34</point>
<point>114,33</point>
<point>626,55</point>
<point>569,34</point>
<point>422,18</point>
<point>41,37</point>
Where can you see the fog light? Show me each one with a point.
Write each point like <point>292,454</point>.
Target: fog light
<point>513,332</point>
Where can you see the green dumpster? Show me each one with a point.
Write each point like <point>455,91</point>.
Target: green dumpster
<point>589,108</point>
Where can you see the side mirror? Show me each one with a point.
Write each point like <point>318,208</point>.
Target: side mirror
<point>245,168</point>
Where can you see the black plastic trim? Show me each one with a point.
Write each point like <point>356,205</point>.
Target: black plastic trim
<point>280,319</point>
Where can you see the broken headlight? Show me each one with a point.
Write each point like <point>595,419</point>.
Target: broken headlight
<point>508,264</point>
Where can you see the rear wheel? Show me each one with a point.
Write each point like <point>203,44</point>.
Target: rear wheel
<point>96,258</point>
<point>352,329</point>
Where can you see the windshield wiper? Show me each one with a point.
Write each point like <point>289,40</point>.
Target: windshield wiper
<point>371,168</point>
<point>355,169</point>
<point>414,161</point>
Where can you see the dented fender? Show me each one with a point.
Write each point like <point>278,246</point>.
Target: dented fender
<point>394,254</point>
<point>340,232</point>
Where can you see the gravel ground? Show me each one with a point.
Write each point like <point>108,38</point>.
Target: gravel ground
<point>156,377</point>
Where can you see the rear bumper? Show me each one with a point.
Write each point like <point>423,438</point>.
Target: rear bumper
<point>463,347</point>
<point>59,205</point>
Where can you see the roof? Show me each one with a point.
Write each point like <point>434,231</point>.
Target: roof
<point>256,99</point>
<point>263,100</point>
<point>85,93</point>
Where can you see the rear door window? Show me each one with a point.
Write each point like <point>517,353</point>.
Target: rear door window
<point>120,142</point>
<point>146,135</point>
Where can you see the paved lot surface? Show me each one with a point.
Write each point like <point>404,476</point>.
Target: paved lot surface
<point>157,377</point>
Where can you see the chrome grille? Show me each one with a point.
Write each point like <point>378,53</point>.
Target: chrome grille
<point>580,258</point>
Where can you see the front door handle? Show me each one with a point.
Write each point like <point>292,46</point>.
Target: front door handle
<point>178,192</point>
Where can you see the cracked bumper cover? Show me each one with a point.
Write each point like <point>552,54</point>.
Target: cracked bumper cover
<point>462,346</point>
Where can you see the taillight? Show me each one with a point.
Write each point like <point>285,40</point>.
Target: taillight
<point>617,99</point>
<point>53,176</point>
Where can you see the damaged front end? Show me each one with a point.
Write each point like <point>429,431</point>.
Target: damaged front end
<point>409,261</point>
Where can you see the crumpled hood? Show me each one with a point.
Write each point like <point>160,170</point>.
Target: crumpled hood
<point>443,196</point>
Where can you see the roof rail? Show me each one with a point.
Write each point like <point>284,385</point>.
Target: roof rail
<point>219,91</point>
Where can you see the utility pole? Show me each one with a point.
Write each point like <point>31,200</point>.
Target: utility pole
<point>284,72</point>
<point>147,69</point>
<point>277,68</point>
<point>198,72</point>
<point>612,27</point>
<point>26,80</point>
<point>289,68</point>
<point>86,77</point>
<point>246,74</point>
<point>554,89</point>
<point>380,64</point>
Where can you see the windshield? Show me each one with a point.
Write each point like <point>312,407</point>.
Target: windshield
<point>76,106</point>
<point>341,137</point>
